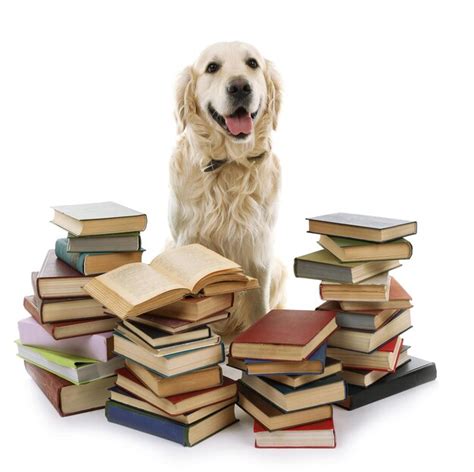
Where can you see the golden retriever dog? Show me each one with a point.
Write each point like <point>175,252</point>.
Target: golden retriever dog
<point>225,178</point>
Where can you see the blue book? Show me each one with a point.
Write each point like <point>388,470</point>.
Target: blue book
<point>314,364</point>
<point>187,435</point>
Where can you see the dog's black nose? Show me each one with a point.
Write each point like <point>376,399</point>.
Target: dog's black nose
<point>239,88</point>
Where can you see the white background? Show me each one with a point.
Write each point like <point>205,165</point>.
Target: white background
<point>378,118</point>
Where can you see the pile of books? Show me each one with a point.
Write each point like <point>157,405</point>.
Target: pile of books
<point>288,384</point>
<point>66,343</point>
<point>372,308</point>
<point>171,385</point>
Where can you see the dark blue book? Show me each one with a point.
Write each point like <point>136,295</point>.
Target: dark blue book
<point>313,364</point>
<point>187,435</point>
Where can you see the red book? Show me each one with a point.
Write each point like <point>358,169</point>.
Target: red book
<point>285,335</point>
<point>176,404</point>
<point>312,435</point>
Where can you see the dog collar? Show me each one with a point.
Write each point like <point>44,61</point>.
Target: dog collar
<point>215,164</point>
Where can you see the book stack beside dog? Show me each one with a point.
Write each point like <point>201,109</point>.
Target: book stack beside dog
<point>372,308</point>
<point>171,385</point>
<point>288,384</point>
<point>66,343</point>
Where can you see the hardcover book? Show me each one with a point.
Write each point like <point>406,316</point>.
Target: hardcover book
<point>413,373</point>
<point>98,218</point>
<point>322,265</point>
<point>94,263</point>
<point>284,335</point>
<point>121,242</point>
<point>367,228</point>
<point>134,289</point>
<point>67,398</point>
<point>94,346</point>
<point>187,435</point>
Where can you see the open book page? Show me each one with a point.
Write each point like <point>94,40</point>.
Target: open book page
<point>190,264</point>
<point>137,282</point>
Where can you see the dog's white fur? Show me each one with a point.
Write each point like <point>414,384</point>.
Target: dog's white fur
<point>231,210</point>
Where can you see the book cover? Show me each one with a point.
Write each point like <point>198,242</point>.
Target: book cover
<point>364,221</point>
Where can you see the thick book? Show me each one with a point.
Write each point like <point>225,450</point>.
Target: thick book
<point>187,435</point>
<point>322,265</point>
<point>173,364</point>
<point>366,341</point>
<point>67,398</point>
<point>313,364</point>
<point>134,289</point>
<point>369,290</point>
<point>366,320</point>
<point>289,335</point>
<point>321,392</point>
<point>120,395</point>
<point>398,298</point>
<point>413,373</point>
<point>196,308</point>
<point>173,325</point>
<point>75,369</point>
<point>70,329</point>
<point>231,286</point>
<point>368,228</point>
<point>157,338</point>
<point>184,383</point>
<point>259,408</point>
<point>383,358</point>
<point>120,242</point>
<point>353,250</point>
<point>95,346</point>
<point>313,435</point>
<point>94,263</point>
<point>56,279</point>
<point>177,404</point>
<point>98,218</point>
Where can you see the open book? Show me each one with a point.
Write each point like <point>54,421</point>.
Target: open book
<point>137,288</point>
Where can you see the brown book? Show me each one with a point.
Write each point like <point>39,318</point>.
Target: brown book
<point>284,335</point>
<point>167,386</point>
<point>272,417</point>
<point>398,298</point>
<point>73,328</point>
<point>176,404</point>
<point>196,308</point>
<point>134,289</point>
<point>58,280</point>
<point>68,398</point>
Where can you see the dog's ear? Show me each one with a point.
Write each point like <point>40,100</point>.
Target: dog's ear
<point>273,80</point>
<point>184,98</point>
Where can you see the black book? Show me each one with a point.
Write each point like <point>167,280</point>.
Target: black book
<point>413,373</point>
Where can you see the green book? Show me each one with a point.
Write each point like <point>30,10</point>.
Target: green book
<point>322,265</point>
<point>120,242</point>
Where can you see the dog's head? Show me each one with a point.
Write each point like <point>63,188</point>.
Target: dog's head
<point>232,90</point>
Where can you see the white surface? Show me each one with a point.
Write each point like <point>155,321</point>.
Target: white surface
<point>377,119</point>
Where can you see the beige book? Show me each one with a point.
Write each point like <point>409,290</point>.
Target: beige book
<point>374,289</point>
<point>137,288</point>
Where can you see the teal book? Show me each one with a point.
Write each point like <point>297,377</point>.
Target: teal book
<point>94,263</point>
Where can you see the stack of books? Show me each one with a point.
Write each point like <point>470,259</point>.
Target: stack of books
<point>372,308</point>
<point>288,384</point>
<point>66,343</point>
<point>171,385</point>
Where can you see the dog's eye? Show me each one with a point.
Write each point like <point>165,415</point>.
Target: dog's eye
<point>212,67</point>
<point>252,63</point>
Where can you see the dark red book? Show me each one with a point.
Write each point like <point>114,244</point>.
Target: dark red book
<point>177,404</point>
<point>312,435</point>
<point>68,398</point>
<point>285,335</point>
<point>70,329</point>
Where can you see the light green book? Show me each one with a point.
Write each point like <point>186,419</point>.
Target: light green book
<point>75,369</point>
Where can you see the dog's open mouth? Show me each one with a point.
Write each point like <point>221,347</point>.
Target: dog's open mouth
<point>239,124</point>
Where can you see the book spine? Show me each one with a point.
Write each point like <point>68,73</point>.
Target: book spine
<point>73,259</point>
<point>49,384</point>
<point>146,422</point>
<point>33,310</point>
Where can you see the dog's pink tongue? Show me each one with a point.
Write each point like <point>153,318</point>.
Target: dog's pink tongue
<point>239,124</point>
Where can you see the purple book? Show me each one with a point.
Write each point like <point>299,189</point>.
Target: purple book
<point>95,346</point>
